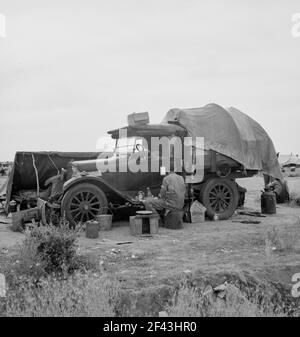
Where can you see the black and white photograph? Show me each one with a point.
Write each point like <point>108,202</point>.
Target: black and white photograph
<point>149,161</point>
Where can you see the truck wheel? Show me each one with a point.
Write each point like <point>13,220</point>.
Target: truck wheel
<point>219,196</point>
<point>82,203</point>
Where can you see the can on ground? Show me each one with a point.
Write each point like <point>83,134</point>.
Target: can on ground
<point>104,221</point>
<point>92,229</point>
<point>268,202</point>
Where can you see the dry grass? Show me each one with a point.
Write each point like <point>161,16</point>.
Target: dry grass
<point>47,278</point>
<point>80,295</point>
<point>281,238</point>
<point>190,302</point>
<point>295,199</point>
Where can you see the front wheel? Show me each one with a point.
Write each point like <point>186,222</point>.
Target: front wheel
<point>220,196</point>
<point>82,203</point>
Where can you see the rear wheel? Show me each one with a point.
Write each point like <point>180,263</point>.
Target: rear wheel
<point>82,203</point>
<point>219,196</point>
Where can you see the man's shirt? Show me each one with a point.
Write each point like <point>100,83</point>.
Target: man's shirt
<point>173,190</point>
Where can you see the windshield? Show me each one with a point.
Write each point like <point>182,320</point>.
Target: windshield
<point>129,145</point>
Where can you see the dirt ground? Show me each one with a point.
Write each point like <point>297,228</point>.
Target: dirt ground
<point>212,247</point>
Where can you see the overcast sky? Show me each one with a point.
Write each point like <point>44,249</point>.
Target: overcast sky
<point>71,70</point>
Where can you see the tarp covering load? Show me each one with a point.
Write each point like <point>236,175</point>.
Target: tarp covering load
<point>48,164</point>
<point>231,133</point>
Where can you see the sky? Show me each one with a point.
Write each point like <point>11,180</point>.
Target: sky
<point>72,70</point>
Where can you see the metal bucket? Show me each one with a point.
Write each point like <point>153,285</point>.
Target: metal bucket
<point>104,221</point>
<point>92,229</point>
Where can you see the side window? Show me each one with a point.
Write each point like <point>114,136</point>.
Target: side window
<point>141,145</point>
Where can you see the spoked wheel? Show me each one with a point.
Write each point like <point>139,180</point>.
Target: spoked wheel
<point>220,196</point>
<point>83,203</point>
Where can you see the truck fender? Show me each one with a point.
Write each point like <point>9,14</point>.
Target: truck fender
<point>102,184</point>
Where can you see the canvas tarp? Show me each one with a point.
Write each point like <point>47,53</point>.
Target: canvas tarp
<point>231,133</point>
<point>23,177</point>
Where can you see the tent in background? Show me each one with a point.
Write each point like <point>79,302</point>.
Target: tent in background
<point>291,167</point>
<point>292,161</point>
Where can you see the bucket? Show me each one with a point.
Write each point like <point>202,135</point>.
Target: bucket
<point>173,220</point>
<point>92,229</point>
<point>104,221</point>
<point>268,202</point>
<point>197,211</point>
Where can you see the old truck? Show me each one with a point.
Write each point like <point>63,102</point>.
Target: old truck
<point>235,146</point>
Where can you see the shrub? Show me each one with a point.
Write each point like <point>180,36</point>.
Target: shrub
<point>56,248</point>
<point>79,295</point>
<point>47,250</point>
<point>49,278</point>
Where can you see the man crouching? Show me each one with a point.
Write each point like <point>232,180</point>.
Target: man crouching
<point>171,196</point>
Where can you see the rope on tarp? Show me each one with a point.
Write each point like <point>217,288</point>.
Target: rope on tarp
<point>53,163</point>
<point>37,176</point>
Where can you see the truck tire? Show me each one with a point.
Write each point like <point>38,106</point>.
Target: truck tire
<point>82,203</point>
<point>219,196</point>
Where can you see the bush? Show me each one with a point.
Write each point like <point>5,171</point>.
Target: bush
<point>56,248</point>
<point>49,278</point>
<point>47,250</point>
<point>80,295</point>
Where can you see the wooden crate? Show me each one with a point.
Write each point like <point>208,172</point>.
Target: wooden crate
<point>140,118</point>
<point>135,226</point>
<point>143,224</point>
